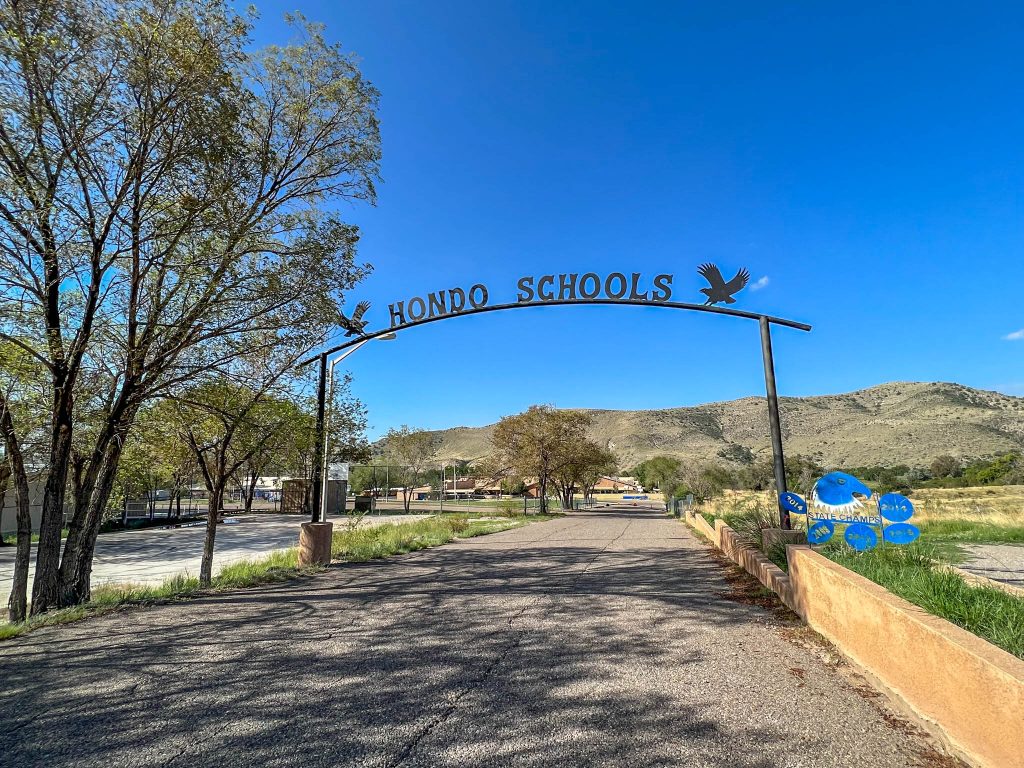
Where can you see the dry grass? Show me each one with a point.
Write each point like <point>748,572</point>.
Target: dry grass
<point>980,514</point>
<point>995,504</point>
<point>1001,505</point>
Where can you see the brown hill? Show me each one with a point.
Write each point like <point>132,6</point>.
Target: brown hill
<point>897,423</point>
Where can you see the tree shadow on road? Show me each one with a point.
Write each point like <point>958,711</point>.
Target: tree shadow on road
<point>548,654</point>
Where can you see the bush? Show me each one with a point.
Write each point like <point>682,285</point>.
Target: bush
<point>750,519</point>
<point>510,507</point>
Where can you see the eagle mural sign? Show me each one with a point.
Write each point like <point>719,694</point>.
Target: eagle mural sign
<point>561,289</point>
<point>839,498</point>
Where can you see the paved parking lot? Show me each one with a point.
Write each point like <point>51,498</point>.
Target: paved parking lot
<point>606,638</point>
<point>153,555</point>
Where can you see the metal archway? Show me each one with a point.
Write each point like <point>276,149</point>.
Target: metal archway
<point>764,321</point>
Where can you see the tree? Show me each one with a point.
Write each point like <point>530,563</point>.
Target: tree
<point>706,482</point>
<point>656,472</point>
<point>162,189</point>
<point>945,466</point>
<point>580,467</point>
<point>15,471</point>
<point>537,443</point>
<point>802,472</point>
<point>408,451</point>
<point>758,475</point>
<point>227,422</point>
<point>19,402</point>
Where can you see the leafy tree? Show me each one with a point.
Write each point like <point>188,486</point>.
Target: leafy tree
<point>163,190</point>
<point>580,467</point>
<point>675,487</point>
<point>408,451</point>
<point>657,472</point>
<point>945,466</point>
<point>708,481</point>
<point>758,475</point>
<point>999,470</point>
<point>802,472</point>
<point>227,422</point>
<point>536,444</point>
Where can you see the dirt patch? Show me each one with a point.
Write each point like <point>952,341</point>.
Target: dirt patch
<point>744,588</point>
<point>929,748</point>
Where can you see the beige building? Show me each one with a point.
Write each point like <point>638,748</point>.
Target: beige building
<point>9,509</point>
<point>618,485</point>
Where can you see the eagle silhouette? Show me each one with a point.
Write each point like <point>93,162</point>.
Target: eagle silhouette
<point>721,291</point>
<point>354,325</point>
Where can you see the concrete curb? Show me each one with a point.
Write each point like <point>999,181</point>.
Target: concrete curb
<point>984,581</point>
<point>701,526</point>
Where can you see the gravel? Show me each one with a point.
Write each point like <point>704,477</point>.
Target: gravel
<point>599,639</point>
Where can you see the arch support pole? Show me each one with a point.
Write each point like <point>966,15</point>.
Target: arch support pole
<point>778,460</point>
<point>320,444</point>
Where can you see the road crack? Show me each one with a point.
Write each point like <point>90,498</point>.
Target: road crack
<point>511,646</point>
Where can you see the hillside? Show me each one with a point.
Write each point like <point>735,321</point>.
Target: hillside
<point>897,423</point>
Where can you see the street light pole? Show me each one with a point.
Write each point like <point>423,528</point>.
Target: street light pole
<point>320,444</point>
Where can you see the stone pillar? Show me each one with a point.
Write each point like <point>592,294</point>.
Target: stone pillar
<point>315,544</point>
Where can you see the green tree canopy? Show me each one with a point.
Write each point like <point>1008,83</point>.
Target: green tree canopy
<point>166,189</point>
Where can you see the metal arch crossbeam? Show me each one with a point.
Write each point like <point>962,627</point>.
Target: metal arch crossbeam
<point>764,322</point>
<point>560,302</point>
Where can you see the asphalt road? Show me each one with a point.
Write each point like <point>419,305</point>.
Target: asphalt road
<point>1000,562</point>
<point>600,639</point>
<point>153,555</point>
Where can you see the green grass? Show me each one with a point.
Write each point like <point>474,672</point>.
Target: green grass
<point>371,543</point>
<point>352,546</point>
<point>912,573</point>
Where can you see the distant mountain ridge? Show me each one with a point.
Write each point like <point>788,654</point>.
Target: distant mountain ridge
<point>897,423</point>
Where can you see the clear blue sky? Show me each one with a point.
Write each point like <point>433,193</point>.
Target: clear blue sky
<point>868,160</point>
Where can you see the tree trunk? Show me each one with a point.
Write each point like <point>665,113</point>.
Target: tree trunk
<point>206,568</point>
<point>250,490</point>
<point>46,584</point>
<point>5,477</point>
<point>76,564</point>
<point>567,494</point>
<point>17,604</point>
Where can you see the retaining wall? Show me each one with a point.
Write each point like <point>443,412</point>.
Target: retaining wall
<point>970,689</point>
